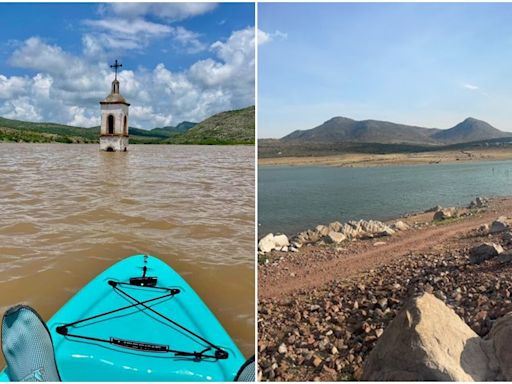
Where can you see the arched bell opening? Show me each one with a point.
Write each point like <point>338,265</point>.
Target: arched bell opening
<point>110,124</point>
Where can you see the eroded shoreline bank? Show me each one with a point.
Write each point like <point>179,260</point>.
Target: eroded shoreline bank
<point>392,159</point>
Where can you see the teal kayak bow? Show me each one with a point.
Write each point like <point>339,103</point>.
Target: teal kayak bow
<point>140,321</point>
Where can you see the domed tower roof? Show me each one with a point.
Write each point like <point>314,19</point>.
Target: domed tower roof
<point>115,97</point>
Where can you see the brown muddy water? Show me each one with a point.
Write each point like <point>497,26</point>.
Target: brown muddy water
<point>67,212</point>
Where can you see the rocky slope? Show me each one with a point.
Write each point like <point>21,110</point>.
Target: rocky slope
<point>325,330</point>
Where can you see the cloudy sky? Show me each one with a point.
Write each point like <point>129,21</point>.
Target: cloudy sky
<point>181,61</point>
<point>428,64</point>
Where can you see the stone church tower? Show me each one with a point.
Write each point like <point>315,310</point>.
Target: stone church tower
<point>114,119</point>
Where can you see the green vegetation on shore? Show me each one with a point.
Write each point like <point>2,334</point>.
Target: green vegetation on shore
<point>23,131</point>
<point>231,127</point>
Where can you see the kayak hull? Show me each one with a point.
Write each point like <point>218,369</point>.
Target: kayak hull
<point>90,360</point>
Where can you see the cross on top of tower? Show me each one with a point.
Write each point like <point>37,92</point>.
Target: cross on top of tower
<point>115,66</point>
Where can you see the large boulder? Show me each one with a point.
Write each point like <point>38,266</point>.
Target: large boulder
<point>499,225</point>
<point>400,226</point>
<point>445,213</point>
<point>335,226</point>
<point>281,241</point>
<point>266,244</point>
<point>484,252</point>
<point>335,238</point>
<point>427,341</point>
<point>322,230</point>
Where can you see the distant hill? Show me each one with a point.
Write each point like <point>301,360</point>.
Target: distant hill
<point>231,127</point>
<point>173,131</point>
<point>342,135</point>
<point>342,129</point>
<point>16,130</point>
<point>158,135</point>
<point>469,130</point>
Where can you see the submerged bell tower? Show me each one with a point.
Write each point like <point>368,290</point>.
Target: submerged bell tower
<point>114,118</point>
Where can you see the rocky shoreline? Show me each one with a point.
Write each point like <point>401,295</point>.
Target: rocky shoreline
<point>337,233</point>
<point>327,332</point>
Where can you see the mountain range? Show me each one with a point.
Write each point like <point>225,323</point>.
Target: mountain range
<point>230,127</point>
<point>341,135</point>
<point>342,129</point>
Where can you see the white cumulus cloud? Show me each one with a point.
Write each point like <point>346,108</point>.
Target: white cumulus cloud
<point>66,88</point>
<point>471,87</point>
<point>267,37</point>
<point>171,11</point>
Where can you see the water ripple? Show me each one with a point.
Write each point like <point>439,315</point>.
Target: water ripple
<point>69,211</point>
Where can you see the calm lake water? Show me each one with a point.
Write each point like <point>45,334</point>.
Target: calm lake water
<point>67,212</point>
<point>291,199</point>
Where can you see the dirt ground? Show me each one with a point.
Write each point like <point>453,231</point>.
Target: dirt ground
<point>377,160</point>
<point>321,311</point>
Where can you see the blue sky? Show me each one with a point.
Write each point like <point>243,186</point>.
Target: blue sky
<point>181,61</point>
<point>426,64</point>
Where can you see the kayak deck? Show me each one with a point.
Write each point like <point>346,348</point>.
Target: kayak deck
<point>134,344</point>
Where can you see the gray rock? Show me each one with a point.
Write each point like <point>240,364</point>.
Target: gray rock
<point>505,257</point>
<point>484,252</point>
<point>507,237</point>
<point>434,209</point>
<point>499,225</point>
<point>479,202</point>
